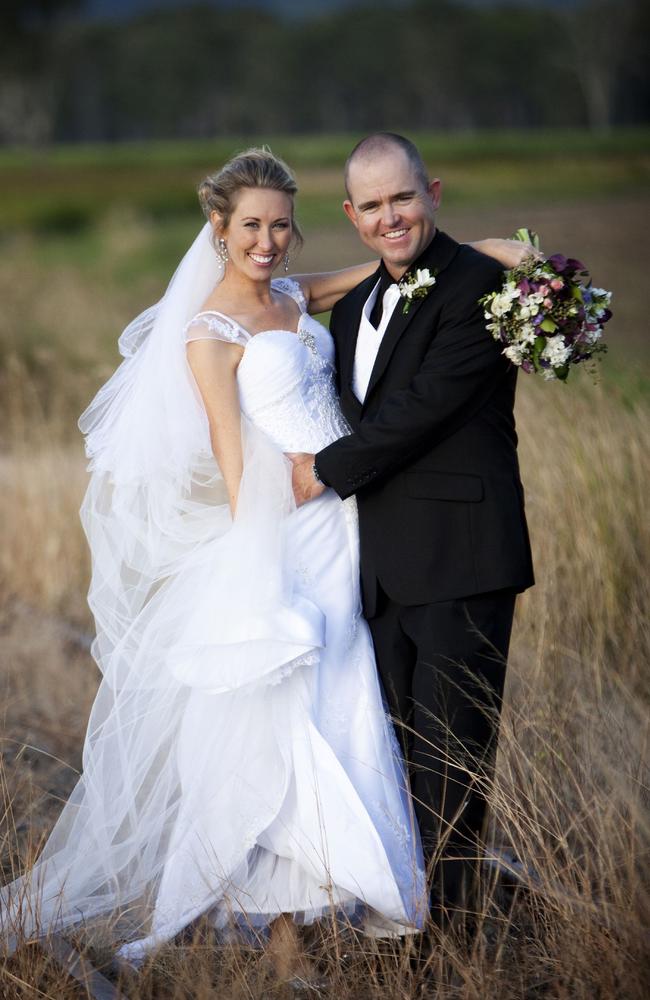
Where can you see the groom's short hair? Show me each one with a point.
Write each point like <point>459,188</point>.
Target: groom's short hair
<point>378,143</point>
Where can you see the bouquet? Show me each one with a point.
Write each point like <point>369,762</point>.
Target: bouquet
<point>548,315</point>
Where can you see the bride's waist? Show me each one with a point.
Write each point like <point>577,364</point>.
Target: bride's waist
<point>294,426</point>
<point>294,439</point>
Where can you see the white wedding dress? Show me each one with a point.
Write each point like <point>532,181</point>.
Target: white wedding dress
<point>284,791</point>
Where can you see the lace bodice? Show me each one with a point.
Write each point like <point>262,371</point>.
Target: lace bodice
<point>285,378</point>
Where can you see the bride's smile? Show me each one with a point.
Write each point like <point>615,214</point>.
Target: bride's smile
<point>259,233</point>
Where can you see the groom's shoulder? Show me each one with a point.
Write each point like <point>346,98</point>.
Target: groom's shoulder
<point>473,271</point>
<point>465,275</point>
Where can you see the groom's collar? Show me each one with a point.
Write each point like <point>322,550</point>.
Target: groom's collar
<point>436,255</point>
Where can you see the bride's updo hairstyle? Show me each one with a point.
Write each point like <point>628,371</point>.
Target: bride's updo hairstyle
<point>254,168</point>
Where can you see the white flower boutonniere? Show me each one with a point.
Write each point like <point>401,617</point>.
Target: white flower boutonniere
<point>415,286</point>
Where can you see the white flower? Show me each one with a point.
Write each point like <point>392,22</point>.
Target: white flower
<point>527,334</point>
<point>515,353</point>
<point>498,307</point>
<point>416,286</point>
<point>556,352</point>
<point>601,293</point>
<point>501,304</point>
<point>424,278</point>
<point>421,279</point>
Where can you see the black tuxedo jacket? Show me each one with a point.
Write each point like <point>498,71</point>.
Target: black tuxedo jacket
<point>432,456</point>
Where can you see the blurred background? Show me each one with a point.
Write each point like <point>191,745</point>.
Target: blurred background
<point>533,114</point>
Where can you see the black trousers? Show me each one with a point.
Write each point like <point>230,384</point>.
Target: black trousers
<point>443,669</point>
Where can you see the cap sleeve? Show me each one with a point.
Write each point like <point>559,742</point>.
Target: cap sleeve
<point>292,288</point>
<point>214,326</point>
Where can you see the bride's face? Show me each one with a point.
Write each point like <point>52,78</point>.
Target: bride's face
<point>259,232</point>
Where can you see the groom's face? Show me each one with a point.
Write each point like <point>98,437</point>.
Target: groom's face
<point>392,208</point>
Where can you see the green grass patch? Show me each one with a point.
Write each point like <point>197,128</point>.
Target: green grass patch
<point>67,189</point>
<point>331,150</point>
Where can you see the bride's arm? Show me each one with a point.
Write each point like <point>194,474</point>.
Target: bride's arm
<point>323,291</point>
<point>214,365</point>
<point>510,253</point>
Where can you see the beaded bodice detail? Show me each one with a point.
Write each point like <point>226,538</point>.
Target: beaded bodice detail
<point>286,379</point>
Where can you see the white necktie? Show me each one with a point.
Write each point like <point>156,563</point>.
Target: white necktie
<point>368,342</point>
<point>389,301</point>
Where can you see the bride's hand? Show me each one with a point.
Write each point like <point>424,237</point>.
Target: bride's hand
<point>510,253</point>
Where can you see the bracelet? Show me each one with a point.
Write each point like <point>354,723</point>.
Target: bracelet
<point>315,474</point>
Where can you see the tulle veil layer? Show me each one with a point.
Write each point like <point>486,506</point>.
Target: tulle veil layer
<point>159,528</point>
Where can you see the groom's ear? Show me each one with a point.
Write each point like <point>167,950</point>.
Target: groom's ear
<point>348,208</point>
<point>435,192</point>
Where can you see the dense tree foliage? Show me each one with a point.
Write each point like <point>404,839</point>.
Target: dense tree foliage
<point>202,71</point>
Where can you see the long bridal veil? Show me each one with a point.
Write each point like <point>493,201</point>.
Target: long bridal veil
<point>171,573</point>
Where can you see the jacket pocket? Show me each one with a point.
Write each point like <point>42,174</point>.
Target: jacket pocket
<point>444,486</point>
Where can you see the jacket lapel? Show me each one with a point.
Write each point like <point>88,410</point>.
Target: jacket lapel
<point>436,257</point>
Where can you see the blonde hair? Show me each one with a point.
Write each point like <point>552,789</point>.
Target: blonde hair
<point>257,167</point>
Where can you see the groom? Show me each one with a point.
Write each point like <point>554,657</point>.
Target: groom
<point>432,460</point>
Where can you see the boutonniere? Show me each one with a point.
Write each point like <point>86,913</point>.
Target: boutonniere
<point>416,286</point>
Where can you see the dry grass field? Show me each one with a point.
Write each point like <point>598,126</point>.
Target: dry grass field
<point>572,795</point>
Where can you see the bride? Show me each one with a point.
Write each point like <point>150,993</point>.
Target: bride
<point>238,761</point>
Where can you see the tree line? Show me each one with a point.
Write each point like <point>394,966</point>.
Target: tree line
<point>201,71</point>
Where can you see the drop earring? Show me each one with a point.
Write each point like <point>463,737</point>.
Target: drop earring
<point>286,263</point>
<point>222,251</point>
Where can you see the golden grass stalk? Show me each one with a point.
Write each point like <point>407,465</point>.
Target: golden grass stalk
<point>571,795</point>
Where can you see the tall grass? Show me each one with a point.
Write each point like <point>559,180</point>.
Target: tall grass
<point>571,795</point>
<point>572,789</point>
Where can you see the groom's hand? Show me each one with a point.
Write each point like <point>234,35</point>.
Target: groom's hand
<point>305,485</point>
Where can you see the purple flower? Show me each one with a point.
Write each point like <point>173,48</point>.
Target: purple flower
<point>558,262</point>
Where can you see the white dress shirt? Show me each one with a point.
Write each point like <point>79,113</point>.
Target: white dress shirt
<point>370,338</point>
